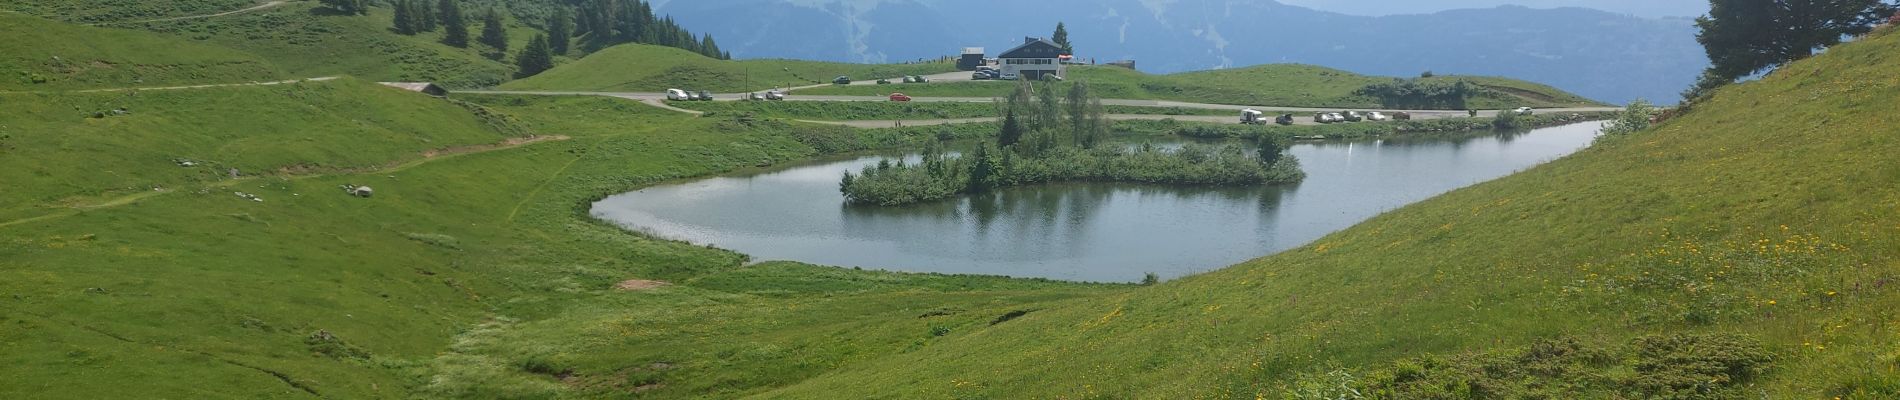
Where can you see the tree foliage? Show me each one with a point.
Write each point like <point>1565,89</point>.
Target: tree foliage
<point>1061,38</point>
<point>454,26</point>
<point>560,30</point>
<point>494,32</point>
<point>1049,155</point>
<point>1746,37</point>
<point>535,58</point>
<point>1421,93</point>
<point>1635,117</point>
<point>610,22</point>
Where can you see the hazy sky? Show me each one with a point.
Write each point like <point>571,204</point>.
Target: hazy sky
<point>1647,8</point>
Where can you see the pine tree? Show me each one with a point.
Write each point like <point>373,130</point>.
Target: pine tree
<point>534,59</point>
<point>1012,130</point>
<point>405,21</point>
<point>708,48</point>
<point>1061,37</point>
<point>493,33</point>
<point>560,29</point>
<point>455,29</point>
<point>425,14</point>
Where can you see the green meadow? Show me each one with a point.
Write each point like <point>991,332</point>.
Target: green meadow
<point>199,243</point>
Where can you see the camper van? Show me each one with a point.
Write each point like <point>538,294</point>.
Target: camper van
<point>1252,117</point>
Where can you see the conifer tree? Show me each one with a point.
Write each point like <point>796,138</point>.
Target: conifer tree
<point>454,28</point>
<point>493,33</point>
<point>534,59</point>
<point>425,15</point>
<point>405,20</point>
<point>1061,38</point>
<point>560,29</point>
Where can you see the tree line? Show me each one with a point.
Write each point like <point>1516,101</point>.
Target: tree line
<point>593,24</point>
<point>1422,94</point>
<point>1046,137</point>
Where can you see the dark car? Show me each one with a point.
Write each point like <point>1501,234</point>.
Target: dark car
<point>842,80</point>
<point>705,96</point>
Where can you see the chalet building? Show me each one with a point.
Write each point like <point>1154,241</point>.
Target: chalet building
<point>1033,60</point>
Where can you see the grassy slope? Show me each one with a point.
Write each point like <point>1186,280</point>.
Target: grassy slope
<point>1286,85</point>
<point>454,281</point>
<point>339,124</point>
<point>1768,212</point>
<point>107,11</point>
<point>309,41</point>
<point>646,68</point>
<point>40,54</point>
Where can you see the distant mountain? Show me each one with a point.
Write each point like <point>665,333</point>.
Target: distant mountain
<point>1605,56</point>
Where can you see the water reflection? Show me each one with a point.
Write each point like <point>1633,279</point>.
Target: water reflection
<point>1092,232</point>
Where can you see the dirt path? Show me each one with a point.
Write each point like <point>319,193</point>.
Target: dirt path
<point>259,7</point>
<point>426,157</point>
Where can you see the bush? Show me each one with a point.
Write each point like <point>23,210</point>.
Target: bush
<point>1634,118</point>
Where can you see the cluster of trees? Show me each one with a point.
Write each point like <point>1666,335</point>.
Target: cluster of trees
<point>611,22</point>
<point>1044,138</point>
<point>1420,93</point>
<point>600,23</point>
<point>1748,37</point>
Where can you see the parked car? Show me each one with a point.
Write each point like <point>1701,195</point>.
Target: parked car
<point>1336,117</point>
<point>842,80</point>
<point>774,95</point>
<point>883,81</point>
<point>1523,111</point>
<point>910,79</point>
<point>1376,116</point>
<point>980,76</point>
<point>1353,116</point>
<point>986,68</point>
<point>705,96</point>
<point>1402,116</point>
<point>678,95</point>
<point>920,79</point>
<point>1010,77</point>
<point>1284,119</point>
<point>899,97</point>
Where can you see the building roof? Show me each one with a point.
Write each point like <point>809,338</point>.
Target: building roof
<point>1034,48</point>
<point>973,50</point>
<point>413,86</point>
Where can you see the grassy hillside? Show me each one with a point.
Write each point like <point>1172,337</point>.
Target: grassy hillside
<point>310,41</point>
<point>312,126</point>
<point>1748,248</point>
<point>41,54</point>
<point>458,279</point>
<point>111,11</point>
<point>1285,85</point>
<point>647,68</point>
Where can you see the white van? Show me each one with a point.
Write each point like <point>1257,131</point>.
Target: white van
<point>678,95</point>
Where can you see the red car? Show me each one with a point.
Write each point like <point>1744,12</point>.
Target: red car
<point>899,97</point>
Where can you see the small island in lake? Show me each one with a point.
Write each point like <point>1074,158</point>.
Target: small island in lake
<point>1045,138</point>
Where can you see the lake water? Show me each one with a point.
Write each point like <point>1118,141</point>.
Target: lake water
<point>1081,232</point>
